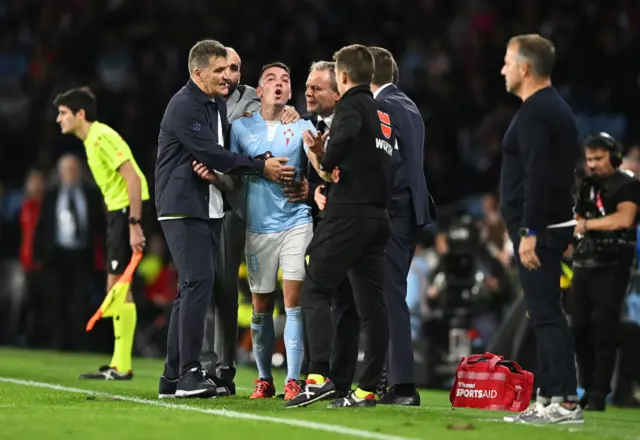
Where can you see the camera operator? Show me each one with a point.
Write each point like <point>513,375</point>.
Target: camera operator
<point>607,215</point>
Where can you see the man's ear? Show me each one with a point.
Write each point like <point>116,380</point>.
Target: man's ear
<point>81,114</point>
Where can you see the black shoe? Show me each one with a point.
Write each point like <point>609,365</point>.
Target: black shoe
<point>351,401</point>
<point>106,372</point>
<point>310,393</point>
<point>584,401</point>
<point>222,387</point>
<point>596,403</point>
<point>195,383</point>
<point>230,386</point>
<point>167,388</point>
<point>340,394</point>
<point>391,397</point>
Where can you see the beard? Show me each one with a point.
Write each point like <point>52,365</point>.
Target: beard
<point>232,88</point>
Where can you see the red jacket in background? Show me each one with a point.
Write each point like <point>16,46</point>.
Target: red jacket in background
<point>29,216</point>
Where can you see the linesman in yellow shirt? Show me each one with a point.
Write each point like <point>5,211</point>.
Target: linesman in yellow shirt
<point>125,191</point>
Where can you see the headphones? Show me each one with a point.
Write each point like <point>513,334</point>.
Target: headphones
<point>605,140</point>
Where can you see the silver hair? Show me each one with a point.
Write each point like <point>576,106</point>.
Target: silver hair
<point>201,53</point>
<point>326,66</point>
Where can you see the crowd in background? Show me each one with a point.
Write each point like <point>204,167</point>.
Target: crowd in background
<point>132,53</point>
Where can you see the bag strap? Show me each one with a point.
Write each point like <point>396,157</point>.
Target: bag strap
<point>513,366</point>
<point>474,358</point>
<point>492,358</point>
<point>494,362</point>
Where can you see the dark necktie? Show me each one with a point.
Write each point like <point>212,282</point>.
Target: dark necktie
<point>73,210</point>
<point>321,126</point>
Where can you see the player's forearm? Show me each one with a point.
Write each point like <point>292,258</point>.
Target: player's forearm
<point>134,188</point>
<point>313,158</point>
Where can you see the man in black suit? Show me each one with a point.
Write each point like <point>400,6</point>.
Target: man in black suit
<point>71,223</point>
<point>410,209</point>
<point>190,207</point>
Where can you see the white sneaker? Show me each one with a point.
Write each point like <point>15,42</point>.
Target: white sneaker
<point>559,415</point>
<point>534,411</point>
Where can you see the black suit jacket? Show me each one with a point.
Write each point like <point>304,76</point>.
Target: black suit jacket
<point>188,132</point>
<point>44,247</point>
<point>409,177</point>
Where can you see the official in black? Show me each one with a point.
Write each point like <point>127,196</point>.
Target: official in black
<point>540,150</point>
<point>322,96</point>
<point>351,238</point>
<point>607,216</point>
<point>190,208</point>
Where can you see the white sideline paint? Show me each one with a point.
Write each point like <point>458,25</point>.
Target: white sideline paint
<point>216,412</point>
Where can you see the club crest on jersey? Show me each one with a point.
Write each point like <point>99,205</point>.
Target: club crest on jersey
<point>288,134</point>
<point>385,124</point>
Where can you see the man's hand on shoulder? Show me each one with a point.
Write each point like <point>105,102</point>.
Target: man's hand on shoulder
<point>203,172</point>
<point>289,115</point>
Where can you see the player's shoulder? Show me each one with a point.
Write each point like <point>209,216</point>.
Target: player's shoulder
<point>244,123</point>
<point>98,132</point>
<point>102,129</point>
<point>303,124</point>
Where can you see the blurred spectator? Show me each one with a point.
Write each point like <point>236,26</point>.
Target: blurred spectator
<point>29,216</point>
<point>70,226</point>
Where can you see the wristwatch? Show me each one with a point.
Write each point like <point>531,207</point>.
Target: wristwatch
<point>134,221</point>
<point>526,232</point>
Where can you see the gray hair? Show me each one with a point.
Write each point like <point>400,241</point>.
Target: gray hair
<point>201,53</point>
<point>326,66</point>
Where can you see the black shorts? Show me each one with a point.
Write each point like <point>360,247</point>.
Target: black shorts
<point>118,249</point>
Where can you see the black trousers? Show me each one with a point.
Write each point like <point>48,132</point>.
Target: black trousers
<point>193,244</point>
<point>352,247</point>
<point>597,297</point>
<point>346,340</point>
<point>64,301</point>
<point>220,342</point>
<point>555,350</point>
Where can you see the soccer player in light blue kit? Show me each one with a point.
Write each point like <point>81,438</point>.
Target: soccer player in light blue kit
<point>278,231</point>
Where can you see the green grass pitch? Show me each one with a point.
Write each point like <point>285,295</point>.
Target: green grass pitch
<point>41,398</point>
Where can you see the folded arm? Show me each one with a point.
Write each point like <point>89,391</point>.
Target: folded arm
<point>194,132</point>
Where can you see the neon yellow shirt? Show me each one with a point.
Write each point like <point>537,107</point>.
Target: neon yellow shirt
<point>106,151</point>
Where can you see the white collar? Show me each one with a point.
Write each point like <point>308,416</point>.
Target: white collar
<point>326,120</point>
<point>380,89</point>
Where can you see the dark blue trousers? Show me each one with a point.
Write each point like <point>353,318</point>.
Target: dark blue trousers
<point>403,238</point>
<point>193,244</point>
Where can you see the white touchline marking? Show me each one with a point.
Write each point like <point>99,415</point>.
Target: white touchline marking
<point>217,412</point>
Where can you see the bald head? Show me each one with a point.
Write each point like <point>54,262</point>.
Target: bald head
<point>234,67</point>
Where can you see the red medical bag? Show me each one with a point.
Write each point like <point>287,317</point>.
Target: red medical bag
<point>487,381</point>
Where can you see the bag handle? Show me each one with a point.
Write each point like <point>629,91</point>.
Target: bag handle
<point>492,358</point>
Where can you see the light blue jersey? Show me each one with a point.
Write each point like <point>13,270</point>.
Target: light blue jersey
<point>268,210</point>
